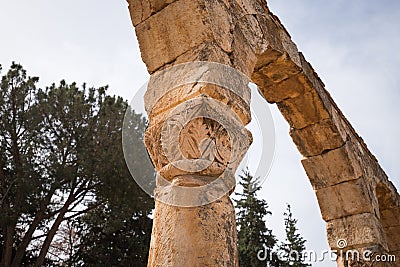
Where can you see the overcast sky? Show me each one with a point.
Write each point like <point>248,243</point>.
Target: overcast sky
<point>352,44</point>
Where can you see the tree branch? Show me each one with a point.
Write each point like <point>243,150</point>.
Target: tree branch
<point>53,230</point>
<point>92,207</point>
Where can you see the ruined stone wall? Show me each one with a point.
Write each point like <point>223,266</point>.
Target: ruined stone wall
<point>355,196</point>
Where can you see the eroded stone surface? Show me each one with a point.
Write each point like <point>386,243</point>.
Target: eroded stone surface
<point>355,195</point>
<point>190,27</point>
<point>364,257</point>
<point>394,240</point>
<point>303,110</point>
<point>358,230</point>
<point>143,9</point>
<point>317,138</point>
<point>193,236</point>
<point>390,217</point>
<point>334,167</point>
<point>344,199</point>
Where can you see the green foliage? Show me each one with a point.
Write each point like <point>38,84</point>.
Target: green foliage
<point>118,233</point>
<point>61,161</point>
<point>294,245</point>
<point>257,246</point>
<point>115,243</point>
<point>253,234</point>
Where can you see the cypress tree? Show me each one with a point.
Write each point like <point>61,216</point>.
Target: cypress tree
<point>294,245</point>
<point>255,240</point>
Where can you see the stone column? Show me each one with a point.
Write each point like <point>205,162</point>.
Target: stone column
<point>196,140</point>
<point>196,136</point>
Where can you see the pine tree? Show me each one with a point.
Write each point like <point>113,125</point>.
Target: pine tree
<point>253,233</point>
<point>61,159</point>
<point>294,245</point>
<point>118,233</point>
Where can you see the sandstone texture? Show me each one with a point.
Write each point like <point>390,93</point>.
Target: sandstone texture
<point>196,138</point>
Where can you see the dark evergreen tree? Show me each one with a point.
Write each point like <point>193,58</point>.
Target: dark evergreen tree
<point>294,245</point>
<point>255,241</point>
<point>118,232</point>
<point>117,243</point>
<point>60,159</point>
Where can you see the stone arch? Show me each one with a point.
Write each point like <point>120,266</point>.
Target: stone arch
<point>355,197</point>
<point>354,194</point>
<point>342,171</point>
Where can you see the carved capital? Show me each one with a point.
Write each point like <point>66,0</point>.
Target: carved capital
<point>196,136</point>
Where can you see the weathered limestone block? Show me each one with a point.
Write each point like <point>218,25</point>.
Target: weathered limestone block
<point>394,233</point>
<point>386,195</point>
<point>303,110</point>
<point>207,51</point>
<point>243,55</point>
<point>257,37</point>
<point>389,212</point>
<point>344,199</point>
<point>341,124</point>
<point>358,231</point>
<point>323,136</point>
<point>170,38</point>
<point>245,7</point>
<point>193,237</point>
<point>275,36</point>
<point>273,92</point>
<point>317,138</point>
<point>193,190</point>
<point>191,26</point>
<point>173,86</point>
<point>390,217</point>
<point>140,10</point>
<point>191,91</point>
<point>363,257</point>
<point>334,167</point>
<point>279,78</point>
